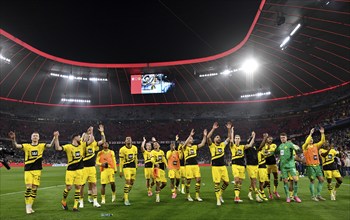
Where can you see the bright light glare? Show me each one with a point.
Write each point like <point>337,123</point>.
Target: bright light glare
<point>76,100</point>
<point>285,41</point>
<point>250,66</point>
<point>72,77</point>
<point>295,29</point>
<point>258,94</point>
<point>208,75</point>
<point>7,60</point>
<point>225,72</point>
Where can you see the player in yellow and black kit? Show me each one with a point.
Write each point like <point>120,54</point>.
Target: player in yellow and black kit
<point>271,164</point>
<point>74,172</point>
<point>159,163</point>
<point>328,153</point>
<point>89,170</point>
<point>218,166</point>
<point>127,165</point>
<point>148,165</point>
<point>33,157</point>
<point>238,163</point>
<point>182,166</point>
<point>191,164</point>
<point>262,172</point>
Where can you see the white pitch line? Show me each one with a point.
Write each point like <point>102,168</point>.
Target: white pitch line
<point>39,189</point>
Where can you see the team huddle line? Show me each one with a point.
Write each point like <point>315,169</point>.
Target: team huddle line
<point>83,156</point>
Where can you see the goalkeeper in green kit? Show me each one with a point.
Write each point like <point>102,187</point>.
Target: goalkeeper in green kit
<point>287,165</point>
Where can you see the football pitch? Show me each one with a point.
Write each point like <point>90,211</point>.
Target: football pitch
<point>47,205</point>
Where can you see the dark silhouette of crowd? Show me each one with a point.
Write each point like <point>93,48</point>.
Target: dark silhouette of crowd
<point>295,117</point>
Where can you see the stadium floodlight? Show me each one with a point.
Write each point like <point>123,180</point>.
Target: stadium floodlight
<point>225,72</point>
<point>258,94</point>
<point>55,74</point>
<point>98,79</point>
<point>208,75</point>
<point>295,29</point>
<point>285,41</point>
<point>76,100</point>
<point>5,59</point>
<point>72,77</point>
<point>250,66</point>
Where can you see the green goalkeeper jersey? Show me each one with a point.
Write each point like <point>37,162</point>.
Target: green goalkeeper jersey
<point>285,152</point>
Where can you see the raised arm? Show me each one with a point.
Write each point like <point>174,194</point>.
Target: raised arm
<point>205,133</point>
<point>232,135</point>
<point>143,145</point>
<point>12,136</point>
<point>265,135</point>
<point>57,143</point>
<point>229,126</point>
<point>51,143</point>
<point>91,137</point>
<point>103,136</point>
<point>188,139</point>
<point>308,139</point>
<point>251,141</point>
<point>323,138</point>
<point>215,126</point>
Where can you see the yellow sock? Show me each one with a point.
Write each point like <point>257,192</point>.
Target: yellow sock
<point>103,197</point>
<point>237,190</point>
<point>76,198</point>
<point>126,192</point>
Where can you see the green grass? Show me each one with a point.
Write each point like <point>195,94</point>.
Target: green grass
<point>47,204</point>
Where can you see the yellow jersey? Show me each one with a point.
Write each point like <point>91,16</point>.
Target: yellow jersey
<point>190,153</point>
<point>237,152</point>
<point>217,154</point>
<point>75,155</point>
<point>33,156</point>
<point>128,157</point>
<point>269,151</point>
<point>262,158</point>
<point>328,160</point>
<point>90,154</point>
<point>158,157</point>
<point>147,158</point>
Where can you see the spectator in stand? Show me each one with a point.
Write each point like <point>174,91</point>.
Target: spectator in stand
<point>347,164</point>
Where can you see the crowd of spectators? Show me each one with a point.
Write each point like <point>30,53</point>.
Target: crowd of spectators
<point>164,122</point>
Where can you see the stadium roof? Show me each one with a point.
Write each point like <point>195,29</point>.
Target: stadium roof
<point>314,58</point>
